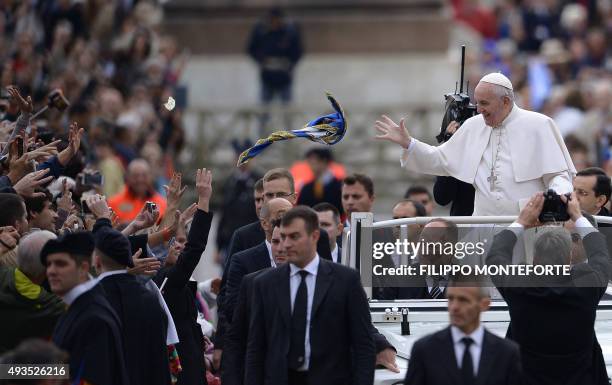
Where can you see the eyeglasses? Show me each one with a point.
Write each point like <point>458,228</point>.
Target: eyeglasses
<point>582,192</point>
<point>271,195</point>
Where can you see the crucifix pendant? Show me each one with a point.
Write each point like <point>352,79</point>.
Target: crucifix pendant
<point>491,179</point>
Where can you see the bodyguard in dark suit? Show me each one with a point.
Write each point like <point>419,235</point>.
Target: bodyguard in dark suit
<point>278,183</point>
<point>144,321</point>
<point>330,221</point>
<point>300,307</point>
<point>554,324</point>
<point>253,259</point>
<point>465,352</point>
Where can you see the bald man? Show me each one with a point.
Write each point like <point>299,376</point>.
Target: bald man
<point>137,191</point>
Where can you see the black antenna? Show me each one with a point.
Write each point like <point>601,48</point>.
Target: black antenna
<point>456,84</point>
<point>462,67</point>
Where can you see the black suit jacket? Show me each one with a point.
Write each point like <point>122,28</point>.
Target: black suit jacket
<point>244,238</point>
<point>179,293</point>
<point>448,189</point>
<point>245,262</point>
<point>233,358</point>
<point>90,332</point>
<point>555,325</point>
<point>342,347</point>
<point>433,361</point>
<point>332,194</point>
<point>145,326</point>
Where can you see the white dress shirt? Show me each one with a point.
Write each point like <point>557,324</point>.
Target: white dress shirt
<point>294,283</point>
<point>108,273</point>
<point>475,349</point>
<point>334,254</point>
<point>269,247</point>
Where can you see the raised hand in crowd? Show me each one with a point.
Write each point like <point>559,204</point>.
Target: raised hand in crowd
<point>72,223</point>
<point>174,192</point>
<point>9,237</point>
<point>74,143</point>
<point>42,153</point>
<point>144,266</point>
<point>98,206</point>
<point>392,132</point>
<point>143,220</point>
<point>25,105</point>
<point>64,202</point>
<point>186,216</point>
<point>204,188</point>
<point>26,185</point>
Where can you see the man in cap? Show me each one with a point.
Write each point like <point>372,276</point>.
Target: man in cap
<point>507,153</point>
<point>90,330</point>
<point>143,319</point>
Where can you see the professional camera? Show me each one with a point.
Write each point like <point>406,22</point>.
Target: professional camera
<point>554,209</point>
<point>458,106</point>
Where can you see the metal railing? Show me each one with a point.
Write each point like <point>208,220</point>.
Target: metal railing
<point>357,242</point>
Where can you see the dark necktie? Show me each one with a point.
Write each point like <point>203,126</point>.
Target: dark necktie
<point>467,366</point>
<point>298,325</point>
<point>436,292</point>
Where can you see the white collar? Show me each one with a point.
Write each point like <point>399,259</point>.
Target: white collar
<point>334,253</point>
<point>312,267</point>
<point>269,247</point>
<point>109,273</point>
<point>79,289</point>
<point>477,335</point>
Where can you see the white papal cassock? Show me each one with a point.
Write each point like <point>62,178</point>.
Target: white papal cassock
<point>506,164</point>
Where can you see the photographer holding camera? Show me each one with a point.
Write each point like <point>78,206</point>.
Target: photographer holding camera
<point>554,325</point>
<point>505,152</point>
<point>451,190</point>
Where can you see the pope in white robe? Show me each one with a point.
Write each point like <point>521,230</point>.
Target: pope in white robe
<point>507,153</point>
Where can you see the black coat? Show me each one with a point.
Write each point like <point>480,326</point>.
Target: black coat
<point>433,361</point>
<point>245,238</point>
<point>448,189</point>
<point>238,206</point>
<point>144,331</point>
<point>90,331</point>
<point>332,193</point>
<point>179,294</point>
<point>341,343</point>
<point>233,358</point>
<point>245,262</point>
<point>554,326</point>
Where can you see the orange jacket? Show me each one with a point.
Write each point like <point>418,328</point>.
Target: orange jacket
<point>127,206</point>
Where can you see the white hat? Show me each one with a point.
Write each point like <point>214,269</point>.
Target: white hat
<point>497,78</point>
